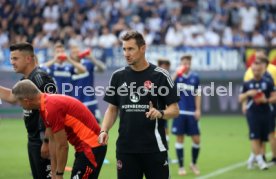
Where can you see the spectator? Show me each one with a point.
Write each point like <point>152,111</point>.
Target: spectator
<point>4,38</point>
<point>174,36</point>
<point>249,15</point>
<point>136,24</point>
<point>107,39</point>
<point>227,37</point>
<point>51,11</point>
<point>258,39</point>
<point>273,40</point>
<point>212,38</point>
<point>41,41</point>
<point>119,26</point>
<point>49,26</point>
<point>91,40</point>
<point>84,16</point>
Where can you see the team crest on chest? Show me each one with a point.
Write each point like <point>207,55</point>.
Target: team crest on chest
<point>148,84</point>
<point>263,86</point>
<point>134,97</point>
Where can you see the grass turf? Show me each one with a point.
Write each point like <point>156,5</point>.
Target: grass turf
<point>224,143</point>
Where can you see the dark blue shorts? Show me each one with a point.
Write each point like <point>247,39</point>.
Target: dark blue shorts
<point>185,124</point>
<point>259,125</point>
<point>166,124</point>
<point>272,121</point>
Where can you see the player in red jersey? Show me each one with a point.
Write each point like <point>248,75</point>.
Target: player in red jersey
<point>66,119</point>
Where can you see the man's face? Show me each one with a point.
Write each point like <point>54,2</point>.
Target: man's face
<point>20,61</point>
<point>59,51</point>
<point>132,52</point>
<point>25,104</point>
<point>187,64</point>
<point>257,68</point>
<point>75,52</point>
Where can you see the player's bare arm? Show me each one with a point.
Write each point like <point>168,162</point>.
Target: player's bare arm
<point>78,66</point>
<point>61,145</point>
<point>250,93</point>
<point>272,98</point>
<point>198,107</point>
<point>170,112</point>
<point>108,121</point>
<point>244,106</point>
<point>100,66</point>
<point>52,61</point>
<point>6,95</point>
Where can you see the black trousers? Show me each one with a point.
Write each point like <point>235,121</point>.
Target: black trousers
<point>41,168</point>
<point>83,168</point>
<point>134,166</point>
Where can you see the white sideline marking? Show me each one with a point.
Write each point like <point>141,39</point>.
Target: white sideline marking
<point>226,169</point>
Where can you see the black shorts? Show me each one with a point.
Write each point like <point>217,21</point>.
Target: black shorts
<point>83,168</point>
<point>41,168</point>
<point>259,125</point>
<point>134,166</point>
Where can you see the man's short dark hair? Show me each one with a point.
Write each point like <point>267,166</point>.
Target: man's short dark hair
<point>162,61</point>
<point>140,41</point>
<point>23,46</point>
<point>186,57</point>
<point>262,59</point>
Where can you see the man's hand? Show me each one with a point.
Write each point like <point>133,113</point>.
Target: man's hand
<point>45,150</point>
<point>244,108</point>
<point>153,112</point>
<point>197,115</point>
<point>103,138</point>
<point>260,98</point>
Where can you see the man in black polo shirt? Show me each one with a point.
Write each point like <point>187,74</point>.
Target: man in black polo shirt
<point>143,94</point>
<point>24,62</point>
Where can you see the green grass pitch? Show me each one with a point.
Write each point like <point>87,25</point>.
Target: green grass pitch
<point>224,144</point>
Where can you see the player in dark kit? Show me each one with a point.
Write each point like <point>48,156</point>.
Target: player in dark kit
<point>259,94</point>
<point>86,80</point>
<point>23,61</point>
<point>187,123</point>
<point>143,94</point>
<point>66,119</point>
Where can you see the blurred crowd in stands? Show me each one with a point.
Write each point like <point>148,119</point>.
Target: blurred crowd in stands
<point>175,23</point>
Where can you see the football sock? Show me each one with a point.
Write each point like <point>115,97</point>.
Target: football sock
<point>264,158</point>
<point>260,159</point>
<point>180,153</point>
<point>195,152</point>
<point>251,157</point>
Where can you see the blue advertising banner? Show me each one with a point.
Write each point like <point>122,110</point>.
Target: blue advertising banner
<point>205,59</point>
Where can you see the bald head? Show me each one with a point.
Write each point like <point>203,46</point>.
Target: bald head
<point>25,89</point>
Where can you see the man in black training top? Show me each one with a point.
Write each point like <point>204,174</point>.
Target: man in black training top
<point>24,62</point>
<point>142,94</point>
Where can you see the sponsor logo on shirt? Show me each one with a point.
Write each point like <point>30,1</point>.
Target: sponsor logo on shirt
<point>134,97</point>
<point>27,113</point>
<point>148,84</point>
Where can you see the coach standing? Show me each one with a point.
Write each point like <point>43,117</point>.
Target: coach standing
<point>151,95</point>
<point>23,62</point>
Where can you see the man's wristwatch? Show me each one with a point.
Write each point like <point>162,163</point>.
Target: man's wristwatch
<point>162,114</point>
<point>59,173</point>
<point>103,131</point>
